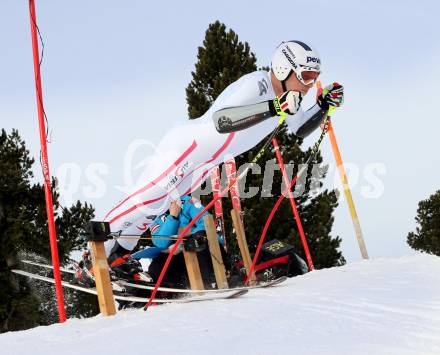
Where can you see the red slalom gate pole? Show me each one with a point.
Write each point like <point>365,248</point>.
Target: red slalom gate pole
<point>266,227</point>
<point>45,166</point>
<point>292,203</point>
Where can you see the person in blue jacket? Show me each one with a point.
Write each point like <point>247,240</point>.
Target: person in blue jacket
<point>164,231</point>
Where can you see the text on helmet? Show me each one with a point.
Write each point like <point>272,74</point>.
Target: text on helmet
<point>289,59</point>
<point>313,59</point>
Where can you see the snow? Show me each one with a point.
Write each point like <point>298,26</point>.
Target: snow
<point>382,306</point>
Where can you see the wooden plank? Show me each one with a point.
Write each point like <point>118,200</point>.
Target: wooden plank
<point>242,243</point>
<point>193,269</point>
<point>102,279</point>
<point>216,255</point>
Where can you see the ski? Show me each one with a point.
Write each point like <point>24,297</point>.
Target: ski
<point>221,290</point>
<point>208,297</point>
<point>116,286</point>
<point>218,208</point>
<point>231,173</point>
<point>62,269</point>
<point>175,290</point>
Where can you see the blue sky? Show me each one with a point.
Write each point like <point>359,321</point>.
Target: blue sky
<point>110,66</point>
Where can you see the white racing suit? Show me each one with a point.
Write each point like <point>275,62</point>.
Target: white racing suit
<point>188,152</point>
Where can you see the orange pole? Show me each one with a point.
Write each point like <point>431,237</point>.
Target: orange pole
<point>346,187</point>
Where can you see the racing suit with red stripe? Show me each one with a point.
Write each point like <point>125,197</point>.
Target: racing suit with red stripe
<point>187,153</point>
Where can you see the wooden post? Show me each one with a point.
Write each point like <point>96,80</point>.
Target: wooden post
<point>216,255</point>
<point>102,279</point>
<point>242,243</point>
<point>193,269</point>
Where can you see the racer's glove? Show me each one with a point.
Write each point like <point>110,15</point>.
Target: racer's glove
<point>288,103</point>
<point>170,248</point>
<point>332,95</point>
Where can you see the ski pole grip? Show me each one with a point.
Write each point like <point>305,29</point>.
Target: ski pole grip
<point>331,109</point>
<point>98,231</point>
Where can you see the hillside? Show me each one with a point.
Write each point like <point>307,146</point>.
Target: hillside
<point>383,306</point>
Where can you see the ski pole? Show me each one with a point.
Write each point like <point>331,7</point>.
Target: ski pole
<point>313,153</point>
<point>293,205</point>
<point>211,203</point>
<point>346,187</point>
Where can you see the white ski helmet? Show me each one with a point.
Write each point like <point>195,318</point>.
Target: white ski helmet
<point>295,57</point>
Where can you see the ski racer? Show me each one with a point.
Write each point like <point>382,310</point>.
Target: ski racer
<point>167,226</point>
<point>190,150</point>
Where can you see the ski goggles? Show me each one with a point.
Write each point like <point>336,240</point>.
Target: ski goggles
<point>307,75</point>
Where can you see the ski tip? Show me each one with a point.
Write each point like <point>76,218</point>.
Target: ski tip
<point>238,294</point>
<point>281,279</point>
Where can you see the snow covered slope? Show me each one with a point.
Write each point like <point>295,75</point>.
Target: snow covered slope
<point>384,306</point>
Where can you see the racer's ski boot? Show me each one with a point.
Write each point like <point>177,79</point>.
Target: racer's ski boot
<point>129,269</point>
<point>84,271</point>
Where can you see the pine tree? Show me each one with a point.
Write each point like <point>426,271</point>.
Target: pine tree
<point>222,60</point>
<point>23,228</point>
<point>427,235</point>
